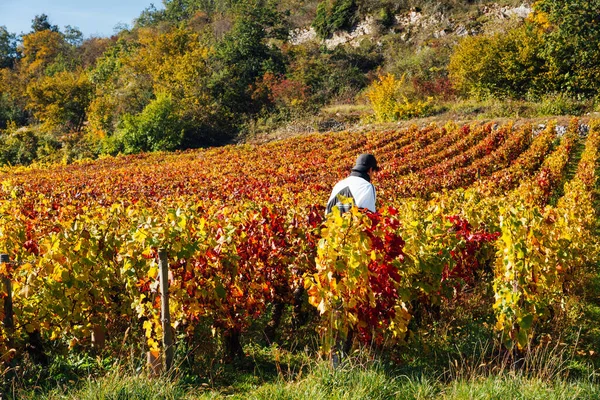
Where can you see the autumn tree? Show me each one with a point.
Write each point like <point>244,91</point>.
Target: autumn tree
<point>572,51</point>
<point>61,100</point>
<point>129,77</point>
<point>500,65</point>
<point>42,49</point>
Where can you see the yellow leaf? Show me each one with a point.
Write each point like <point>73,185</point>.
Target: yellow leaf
<point>333,285</point>
<point>148,328</point>
<point>147,252</point>
<point>153,344</point>
<point>153,272</point>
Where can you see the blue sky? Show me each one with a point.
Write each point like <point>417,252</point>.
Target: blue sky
<point>93,18</point>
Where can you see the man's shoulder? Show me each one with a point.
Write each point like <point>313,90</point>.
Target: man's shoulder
<point>352,181</point>
<point>357,180</point>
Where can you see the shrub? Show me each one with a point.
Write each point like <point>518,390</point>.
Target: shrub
<point>391,103</point>
<point>281,92</point>
<point>500,65</point>
<point>26,145</point>
<point>157,127</point>
<point>334,15</point>
<point>560,104</point>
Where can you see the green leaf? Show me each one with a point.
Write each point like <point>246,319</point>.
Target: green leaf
<point>220,290</point>
<point>526,321</point>
<point>522,338</point>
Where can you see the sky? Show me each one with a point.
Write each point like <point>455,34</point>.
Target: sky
<point>93,18</point>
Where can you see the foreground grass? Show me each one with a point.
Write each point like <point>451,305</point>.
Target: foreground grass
<point>354,380</point>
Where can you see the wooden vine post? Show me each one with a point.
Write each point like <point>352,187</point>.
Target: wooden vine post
<point>8,304</point>
<point>163,265</point>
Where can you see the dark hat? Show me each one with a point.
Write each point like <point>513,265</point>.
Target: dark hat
<point>364,162</point>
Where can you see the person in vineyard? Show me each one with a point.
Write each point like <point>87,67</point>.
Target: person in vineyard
<point>357,187</point>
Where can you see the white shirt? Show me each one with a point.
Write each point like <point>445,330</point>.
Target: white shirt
<point>362,190</point>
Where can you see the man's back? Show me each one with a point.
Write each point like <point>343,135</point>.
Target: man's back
<point>357,188</point>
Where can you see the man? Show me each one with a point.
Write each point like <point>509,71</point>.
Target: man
<point>357,187</point>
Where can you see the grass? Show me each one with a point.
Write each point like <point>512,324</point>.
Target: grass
<point>272,373</point>
<point>351,381</point>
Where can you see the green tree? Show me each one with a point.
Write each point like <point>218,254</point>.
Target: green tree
<point>9,111</point>
<point>73,35</point>
<point>8,48</point>
<point>244,55</point>
<point>572,43</point>
<point>183,10</point>
<point>13,98</point>
<point>41,23</point>
<point>149,16</point>
<point>157,127</point>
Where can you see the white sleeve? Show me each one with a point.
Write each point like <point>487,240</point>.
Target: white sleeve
<point>365,196</point>
<point>369,201</point>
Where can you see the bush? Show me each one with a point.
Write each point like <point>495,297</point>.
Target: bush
<point>502,65</point>
<point>561,104</point>
<point>333,16</point>
<point>337,75</point>
<point>156,128</point>
<point>390,100</point>
<point>26,145</point>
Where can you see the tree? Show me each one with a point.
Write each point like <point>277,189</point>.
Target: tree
<point>61,100</point>
<point>183,10</point>
<point>13,98</point>
<point>333,15</point>
<point>73,36</point>
<point>244,55</point>
<point>26,145</point>
<point>40,23</point>
<point>503,64</point>
<point>572,43</point>
<point>155,128</point>
<point>120,87</point>
<point>8,48</point>
<point>41,49</point>
<point>92,49</point>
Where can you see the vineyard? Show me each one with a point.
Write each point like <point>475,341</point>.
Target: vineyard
<point>510,209</point>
